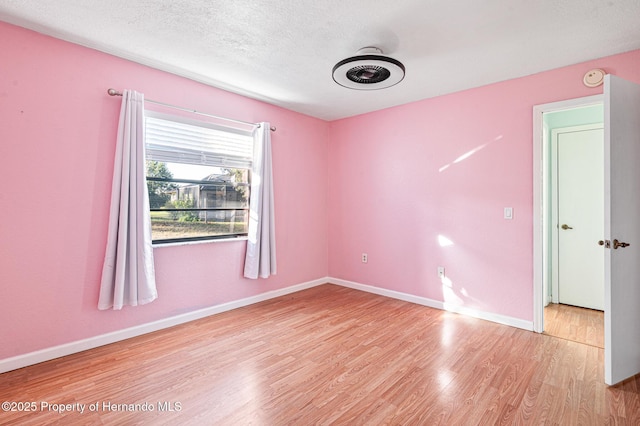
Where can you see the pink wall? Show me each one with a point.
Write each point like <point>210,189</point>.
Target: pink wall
<point>57,133</point>
<point>399,179</point>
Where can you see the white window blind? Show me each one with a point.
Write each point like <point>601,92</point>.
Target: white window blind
<point>178,140</point>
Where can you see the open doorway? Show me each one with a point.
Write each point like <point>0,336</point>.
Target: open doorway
<point>621,100</point>
<point>570,145</point>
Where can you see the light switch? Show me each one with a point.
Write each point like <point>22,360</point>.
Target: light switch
<point>508,212</point>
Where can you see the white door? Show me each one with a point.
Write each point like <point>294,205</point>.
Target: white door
<point>622,224</point>
<point>580,215</point>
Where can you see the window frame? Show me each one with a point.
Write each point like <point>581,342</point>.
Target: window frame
<point>203,238</point>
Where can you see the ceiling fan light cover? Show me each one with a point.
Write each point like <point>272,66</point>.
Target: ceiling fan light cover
<point>368,72</point>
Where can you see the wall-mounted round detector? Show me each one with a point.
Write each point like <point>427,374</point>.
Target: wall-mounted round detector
<point>368,70</point>
<point>594,78</point>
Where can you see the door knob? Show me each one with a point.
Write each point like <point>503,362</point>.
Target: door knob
<point>565,227</point>
<point>605,243</point>
<point>617,244</point>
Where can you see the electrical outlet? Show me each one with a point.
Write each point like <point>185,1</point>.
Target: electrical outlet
<point>441,271</point>
<point>365,258</point>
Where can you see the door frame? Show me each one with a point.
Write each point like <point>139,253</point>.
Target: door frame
<point>554,203</point>
<point>541,198</point>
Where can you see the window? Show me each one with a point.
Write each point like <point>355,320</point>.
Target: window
<point>198,178</point>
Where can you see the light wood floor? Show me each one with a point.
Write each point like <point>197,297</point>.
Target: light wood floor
<point>573,323</point>
<point>330,355</point>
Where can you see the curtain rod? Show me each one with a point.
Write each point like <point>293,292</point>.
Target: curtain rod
<point>114,92</point>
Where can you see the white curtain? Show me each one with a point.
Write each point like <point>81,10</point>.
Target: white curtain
<point>260,259</point>
<point>128,276</point>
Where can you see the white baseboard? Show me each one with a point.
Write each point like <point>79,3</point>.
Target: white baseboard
<point>47,354</point>
<point>497,318</point>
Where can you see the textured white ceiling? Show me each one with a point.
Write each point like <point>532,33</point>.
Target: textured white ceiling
<point>283,51</point>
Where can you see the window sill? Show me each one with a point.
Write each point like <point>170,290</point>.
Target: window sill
<point>190,243</point>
